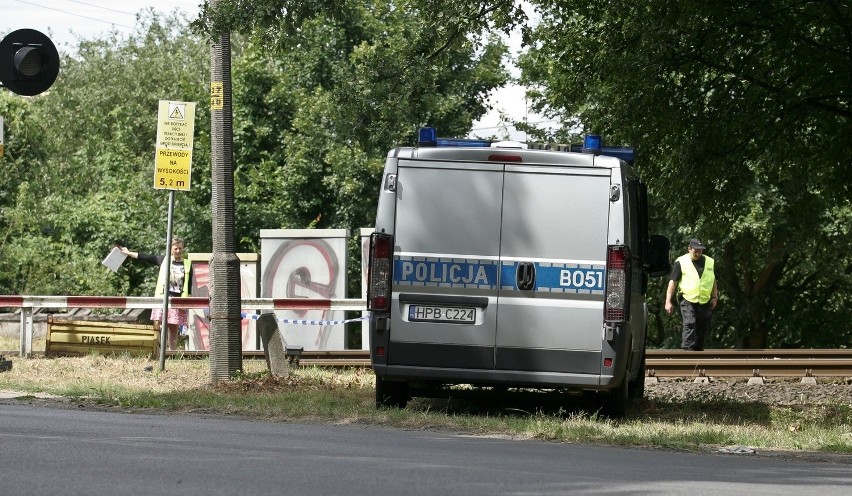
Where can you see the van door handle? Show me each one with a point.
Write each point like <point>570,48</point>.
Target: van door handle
<point>525,276</point>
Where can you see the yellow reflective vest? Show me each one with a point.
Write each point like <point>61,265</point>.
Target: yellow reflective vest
<point>164,277</point>
<point>696,289</point>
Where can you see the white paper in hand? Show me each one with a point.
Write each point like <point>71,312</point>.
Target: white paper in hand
<point>114,260</point>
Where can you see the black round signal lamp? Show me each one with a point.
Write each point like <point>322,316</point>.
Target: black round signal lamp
<point>29,62</point>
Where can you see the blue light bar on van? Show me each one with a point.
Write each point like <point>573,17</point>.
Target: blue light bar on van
<point>592,144</point>
<point>625,153</point>
<point>428,136</point>
<point>620,152</point>
<point>464,143</point>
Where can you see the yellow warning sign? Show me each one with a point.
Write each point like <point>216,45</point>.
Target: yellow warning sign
<point>176,112</point>
<point>175,130</point>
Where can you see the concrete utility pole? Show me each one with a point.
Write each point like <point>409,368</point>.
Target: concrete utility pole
<point>225,323</point>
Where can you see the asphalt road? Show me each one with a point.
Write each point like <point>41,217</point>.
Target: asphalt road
<point>45,450</point>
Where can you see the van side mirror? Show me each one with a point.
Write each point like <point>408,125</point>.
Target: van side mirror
<point>659,250</point>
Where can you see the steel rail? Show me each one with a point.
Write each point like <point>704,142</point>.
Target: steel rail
<point>658,363</point>
<point>752,354</point>
<point>749,363</point>
<point>665,363</point>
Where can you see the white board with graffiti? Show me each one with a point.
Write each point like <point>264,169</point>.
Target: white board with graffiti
<point>198,332</point>
<point>306,263</point>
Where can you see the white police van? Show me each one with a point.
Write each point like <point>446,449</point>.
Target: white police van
<point>502,266</point>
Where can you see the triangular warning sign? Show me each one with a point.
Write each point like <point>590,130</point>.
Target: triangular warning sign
<point>176,112</point>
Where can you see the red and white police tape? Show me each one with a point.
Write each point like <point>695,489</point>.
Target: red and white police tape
<point>255,316</point>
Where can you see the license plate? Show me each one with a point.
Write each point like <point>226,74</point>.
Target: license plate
<point>430,313</point>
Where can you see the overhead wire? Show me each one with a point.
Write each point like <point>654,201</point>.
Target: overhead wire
<point>102,7</point>
<point>75,14</point>
<point>507,124</point>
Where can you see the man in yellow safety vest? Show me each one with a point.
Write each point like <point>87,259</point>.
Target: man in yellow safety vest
<point>694,276</point>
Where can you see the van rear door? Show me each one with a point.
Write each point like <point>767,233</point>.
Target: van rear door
<point>446,263</point>
<point>553,259</point>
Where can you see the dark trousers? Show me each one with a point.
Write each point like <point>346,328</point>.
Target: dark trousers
<point>696,324</point>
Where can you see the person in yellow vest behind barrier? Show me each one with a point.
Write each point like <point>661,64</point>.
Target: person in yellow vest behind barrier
<point>179,276</point>
<point>694,275</point>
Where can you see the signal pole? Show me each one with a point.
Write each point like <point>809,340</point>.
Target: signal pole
<point>225,322</point>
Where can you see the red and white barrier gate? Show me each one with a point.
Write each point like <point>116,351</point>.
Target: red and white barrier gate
<point>28,303</point>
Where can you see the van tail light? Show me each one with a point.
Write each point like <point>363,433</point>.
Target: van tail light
<point>500,157</point>
<point>617,294</point>
<point>380,272</point>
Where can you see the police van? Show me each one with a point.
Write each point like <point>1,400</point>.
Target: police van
<point>506,265</point>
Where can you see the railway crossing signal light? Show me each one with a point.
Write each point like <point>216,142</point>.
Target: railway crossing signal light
<point>29,62</point>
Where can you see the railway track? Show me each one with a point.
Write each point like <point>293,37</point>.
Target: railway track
<point>670,363</point>
<point>749,363</point>
<point>658,363</point>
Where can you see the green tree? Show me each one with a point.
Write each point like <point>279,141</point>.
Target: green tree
<point>740,112</point>
<point>323,92</point>
<point>84,155</point>
<point>317,105</point>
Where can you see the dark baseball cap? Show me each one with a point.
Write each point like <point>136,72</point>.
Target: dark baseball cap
<point>696,245</point>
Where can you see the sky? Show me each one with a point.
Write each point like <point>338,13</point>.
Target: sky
<point>66,21</point>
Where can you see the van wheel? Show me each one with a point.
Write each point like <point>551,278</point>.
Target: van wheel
<point>393,394</point>
<point>636,388</point>
<point>614,402</point>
